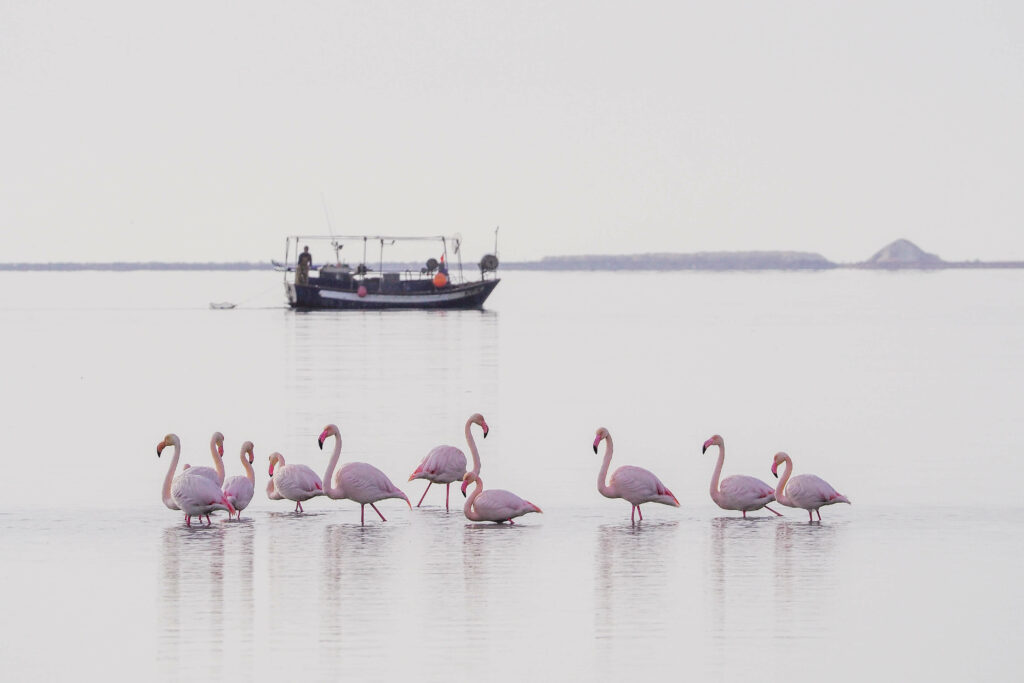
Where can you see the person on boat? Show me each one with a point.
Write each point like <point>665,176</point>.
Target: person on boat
<point>305,262</point>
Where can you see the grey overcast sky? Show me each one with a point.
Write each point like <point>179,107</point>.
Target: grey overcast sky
<point>210,130</point>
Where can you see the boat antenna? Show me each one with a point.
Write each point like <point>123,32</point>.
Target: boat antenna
<point>496,227</point>
<point>327,214</point>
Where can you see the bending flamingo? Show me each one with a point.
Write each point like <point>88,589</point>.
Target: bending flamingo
<point>195,495</point>
<point>633,484</point>
<point>806,491</point>
<point>215,473</point>
<point>239,489</point>
<point>294,482</point>
<point>445,464</point>
<point>358,481</point>
<point>493,505</point>
<point>738,492</point>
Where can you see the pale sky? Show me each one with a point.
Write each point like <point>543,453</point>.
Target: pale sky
<point>210,130</point>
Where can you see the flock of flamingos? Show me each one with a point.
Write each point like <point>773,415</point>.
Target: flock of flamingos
<point>198,491</point>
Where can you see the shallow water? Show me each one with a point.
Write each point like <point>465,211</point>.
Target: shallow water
<point>899,388</point>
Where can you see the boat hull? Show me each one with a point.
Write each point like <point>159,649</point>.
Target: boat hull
<point>465,296</point>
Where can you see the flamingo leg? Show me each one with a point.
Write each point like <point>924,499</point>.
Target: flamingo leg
<point>810,516</point>
<point>298,506</point>
<point>819,514</point>
<point>640,512</point>
<point>378,512</point>
<point>447,490</point>
<point>207,520</point>
<point>744,514</point>
<point>424,494</point>
<point>777,514</point>
<point>362,510</point>
<point>632,514</point>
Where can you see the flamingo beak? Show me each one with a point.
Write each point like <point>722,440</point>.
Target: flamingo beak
<point>706,444</point>
<point>464,485</point>
<point>775,468</point>
<point>271,471</point>
<point>486,430</point>
<point>220,449</point>
<point>596,441</point>
<point>321,441</point>
<point>160,448</point>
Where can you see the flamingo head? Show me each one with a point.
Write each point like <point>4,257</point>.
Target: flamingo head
<point>779,458</point>
<point>247,449</point>
<point>169,440</point>
<point>218,441</point>
<point>186,466</point>
<point>478,419</point>
<point>716,440</point>
<point>329,430</point>
<point>602,434</point>
<point>274,459</point>
<point>470,476</point>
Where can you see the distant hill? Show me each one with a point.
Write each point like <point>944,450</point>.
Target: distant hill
<point>903,254</point>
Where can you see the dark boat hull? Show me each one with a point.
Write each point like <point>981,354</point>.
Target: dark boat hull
<point>464,296</point>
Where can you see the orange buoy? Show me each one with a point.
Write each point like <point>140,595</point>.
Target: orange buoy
<point>361,291</point>
<point>440,280</point>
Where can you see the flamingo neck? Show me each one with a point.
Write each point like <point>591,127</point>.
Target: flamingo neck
<point>329,489</point>
<point>472,447</point>
<point>602,476</point>
<point>783,480</point>
<point>249,474</point>
<point>717,473</point>
<point>468,507</point>
<point>272,493</point>
<point>218,462</point>
<point>168,500</point>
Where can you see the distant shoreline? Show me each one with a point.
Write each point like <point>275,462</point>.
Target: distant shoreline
<point>577,264</point>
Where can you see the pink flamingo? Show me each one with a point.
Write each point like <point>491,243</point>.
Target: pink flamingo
<point>738,492</point>
<point>358,481</point>
<point>294,482</point>
<point>445,464</point>
<point>215,473</point>
<point>195,495</point>
<point>806,491</point>
<point>634,484</point>
<point>239,489</point>
<point>493,505</point>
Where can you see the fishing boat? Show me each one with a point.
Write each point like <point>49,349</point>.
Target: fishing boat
<point>383,282</point>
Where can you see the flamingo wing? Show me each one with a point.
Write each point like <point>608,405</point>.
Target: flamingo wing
<point>638,485</point>
<point>298,482</point>
<point>195,494</point>
<point>442,465</point>
<point>740,491</point>
<point>809,490</point>
<point>364,483</point>
<point>239,490</point>
<point>498,505</point>
<point>207,472</point>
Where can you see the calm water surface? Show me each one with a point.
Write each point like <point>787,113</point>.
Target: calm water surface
<point>901,389</point>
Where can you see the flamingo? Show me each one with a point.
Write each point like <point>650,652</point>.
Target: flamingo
<point>294,482</point>
<point>493,505</point>
<point>215,473</point>
<point>738,492</point>
<point>239,489</point>
<point>807,491</point>
<point>445,464</point>
<point>358,481</point>
<point>194,494</point>
<point>634,484</point>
